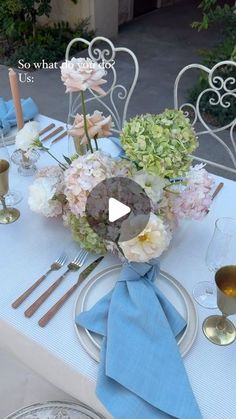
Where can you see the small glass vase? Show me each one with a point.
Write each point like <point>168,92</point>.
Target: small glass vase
<point>76,146</point>
<point>26,164</point>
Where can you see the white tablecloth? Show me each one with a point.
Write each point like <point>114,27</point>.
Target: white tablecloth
<point>28,247</point>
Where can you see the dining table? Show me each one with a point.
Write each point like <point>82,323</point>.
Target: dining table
<point>31,244</point>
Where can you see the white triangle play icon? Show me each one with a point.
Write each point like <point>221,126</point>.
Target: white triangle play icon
<point>117,209</point>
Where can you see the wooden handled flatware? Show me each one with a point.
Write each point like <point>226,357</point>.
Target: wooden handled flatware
<point>59,137</point>
<point>215,193</point>
<point>46,129</point>
<point>53,133</point>
<point>54,267</point>
<point>56,307</point>
<point>217,190</point>
<point>73,266</point>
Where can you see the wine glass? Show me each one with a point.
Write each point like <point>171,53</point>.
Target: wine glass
<point>221,252</point>
<point>7,215</point>
<point>13,197</point>
<point>219,329</point>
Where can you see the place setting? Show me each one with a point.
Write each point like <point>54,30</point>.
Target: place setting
<point>123,196</point>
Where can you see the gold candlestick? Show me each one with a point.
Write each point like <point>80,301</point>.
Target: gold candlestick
<point>7,215</point>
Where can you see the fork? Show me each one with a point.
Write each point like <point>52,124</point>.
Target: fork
<point>71,267</point>
<point>58,264</point>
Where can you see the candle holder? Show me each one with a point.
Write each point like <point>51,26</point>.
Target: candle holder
<point>26,164</point>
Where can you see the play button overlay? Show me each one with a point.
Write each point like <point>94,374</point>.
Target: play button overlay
<point>114,201</point>
<point>117,210</point>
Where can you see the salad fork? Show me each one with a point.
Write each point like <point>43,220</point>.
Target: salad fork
<point>73,266</point>
<point>56,265</point>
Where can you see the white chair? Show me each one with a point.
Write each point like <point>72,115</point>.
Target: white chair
<point>116,100</point>
<point>221,88</point>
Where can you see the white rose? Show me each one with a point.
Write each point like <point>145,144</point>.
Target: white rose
<point>27,135</point>
<point>153,185</point>
<point>147,245</point>
<point>41,194</point>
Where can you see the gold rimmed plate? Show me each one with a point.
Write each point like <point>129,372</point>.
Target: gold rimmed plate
<point>100,284</point>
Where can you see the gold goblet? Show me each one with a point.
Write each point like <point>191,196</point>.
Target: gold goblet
<point>7,215</point>
<point>219,329</point>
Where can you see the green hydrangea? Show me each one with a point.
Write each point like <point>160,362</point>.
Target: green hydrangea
<point>84,235</point>
<point>160,144</point>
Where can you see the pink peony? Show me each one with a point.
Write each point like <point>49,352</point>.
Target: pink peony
<point>80,74</point>
<point>98,126</point>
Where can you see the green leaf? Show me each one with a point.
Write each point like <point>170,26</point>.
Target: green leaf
<point>67,159</point>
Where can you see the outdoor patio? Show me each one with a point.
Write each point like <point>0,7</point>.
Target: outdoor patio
<point>164,43</point>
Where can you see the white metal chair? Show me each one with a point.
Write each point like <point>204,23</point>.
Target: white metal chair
<point>116,100</point>
<point>221,92</point>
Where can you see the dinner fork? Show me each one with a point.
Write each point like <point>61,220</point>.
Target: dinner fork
<point>58,264</point>
<point>71,267</point>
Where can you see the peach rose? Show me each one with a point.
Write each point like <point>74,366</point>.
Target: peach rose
<point>80,74</point>
<point>98,126</point>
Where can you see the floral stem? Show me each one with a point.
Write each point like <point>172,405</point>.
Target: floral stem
<point>85,120</point>
<point>58,161</point>
<point>96,143</point>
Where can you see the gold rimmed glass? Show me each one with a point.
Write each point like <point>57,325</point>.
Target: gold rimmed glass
<point>7,215</point>
<point>219,329</point>
<point>221,252</point>
<point>13,196</point>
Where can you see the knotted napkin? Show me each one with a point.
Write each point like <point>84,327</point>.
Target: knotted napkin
<point>8,115</point>
<point>141,373</point>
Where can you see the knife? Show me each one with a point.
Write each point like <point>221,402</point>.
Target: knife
<point>53,133</point>
<point>56,307</point>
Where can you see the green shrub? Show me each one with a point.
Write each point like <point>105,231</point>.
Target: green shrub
<point>22,38</point>
<point>225,17</point>
<point>49,43</point>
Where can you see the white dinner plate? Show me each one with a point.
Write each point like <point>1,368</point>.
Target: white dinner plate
<point>55,410</point>
<point>100,284</point>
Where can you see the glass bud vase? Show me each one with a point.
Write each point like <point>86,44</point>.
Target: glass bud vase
<point>26,164</point>
<point>80,149</point>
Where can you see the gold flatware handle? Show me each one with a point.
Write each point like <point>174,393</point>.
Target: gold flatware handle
<point>46,129</point>
<point>56,131</point>
<point>59,137</point>
<point>34,307</point>
<point>29,291</point>
<point>56,307</point>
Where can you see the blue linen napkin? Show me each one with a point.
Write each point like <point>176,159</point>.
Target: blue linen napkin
<point>141,373</point>
<point>8,116</point>
<point>116,141</point>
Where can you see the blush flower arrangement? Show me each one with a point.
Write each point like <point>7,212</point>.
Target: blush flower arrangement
<point>157,157</point>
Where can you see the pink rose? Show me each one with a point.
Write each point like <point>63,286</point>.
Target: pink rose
<point>80,74</point>
<point>98,126</point>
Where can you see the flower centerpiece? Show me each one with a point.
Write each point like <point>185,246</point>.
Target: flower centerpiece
<point>157,157</point>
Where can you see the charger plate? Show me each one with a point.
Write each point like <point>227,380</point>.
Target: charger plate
<point>100,284</point>
<point>55,410</point>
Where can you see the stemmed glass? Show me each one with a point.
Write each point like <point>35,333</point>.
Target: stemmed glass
<point>7,215</point>
<point>219,329</point>
<point>221,252</point>
<point>13,197</point>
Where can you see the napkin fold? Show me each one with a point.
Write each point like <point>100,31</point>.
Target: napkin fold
<point>141,373</point>
<point>8,116</point>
